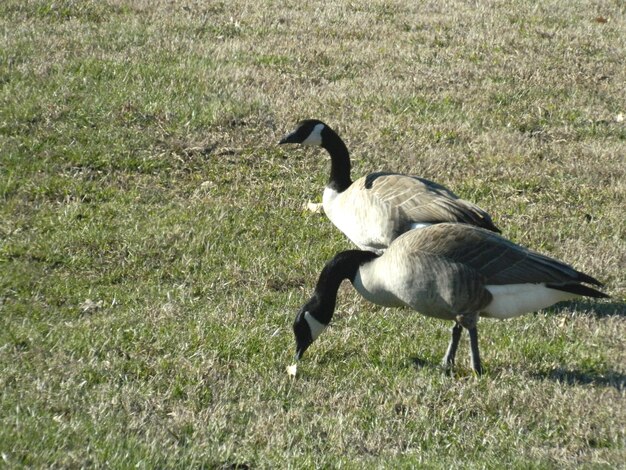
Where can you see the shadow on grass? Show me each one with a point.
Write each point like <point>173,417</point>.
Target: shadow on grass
<point>420,363</point>
<point>424,364</point>
<point>598,309</point>
<point>235,466</point>
<point>609,378</point>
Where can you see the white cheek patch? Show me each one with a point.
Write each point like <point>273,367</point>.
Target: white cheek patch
<point>315,137</point>
<point>315,326</point>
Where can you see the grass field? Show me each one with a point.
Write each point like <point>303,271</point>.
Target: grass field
<point>154,249</point>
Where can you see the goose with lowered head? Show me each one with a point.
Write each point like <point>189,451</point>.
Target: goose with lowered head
<point>451,271</point>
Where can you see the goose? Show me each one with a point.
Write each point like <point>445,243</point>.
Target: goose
<point>450,271</point>
<point>377,208</point>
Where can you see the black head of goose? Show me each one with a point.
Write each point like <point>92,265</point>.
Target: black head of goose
<point>379,207</point>
<point>451,271</point>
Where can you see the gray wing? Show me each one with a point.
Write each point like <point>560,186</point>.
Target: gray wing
<point>499,261</point>
<point>419,200</point>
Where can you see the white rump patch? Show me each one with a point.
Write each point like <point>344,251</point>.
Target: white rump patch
<point>315,137</point>
<point>315,326</point>
<point>512,300</point>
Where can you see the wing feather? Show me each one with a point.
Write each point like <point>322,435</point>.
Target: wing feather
<point>499,261</point>
<point>419,200</point>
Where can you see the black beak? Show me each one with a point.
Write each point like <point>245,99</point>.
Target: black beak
<point>302,332</point>
<point>289,139</point>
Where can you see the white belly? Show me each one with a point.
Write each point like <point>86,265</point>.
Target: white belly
<point>512,300</point>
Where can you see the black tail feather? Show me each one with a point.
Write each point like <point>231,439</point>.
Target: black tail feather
<point>580,289</point>
<point>582,277</point>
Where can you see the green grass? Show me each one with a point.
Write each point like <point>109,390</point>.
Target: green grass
<point>154,248</point>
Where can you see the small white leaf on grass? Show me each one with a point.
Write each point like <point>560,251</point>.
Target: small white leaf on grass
<point>89,306</point>
<point>314,207</point>
<point>619,117</point>
<point>292,369</point>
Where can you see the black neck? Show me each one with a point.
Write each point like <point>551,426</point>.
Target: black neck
<point>343,266</point>
<point>339,161</point>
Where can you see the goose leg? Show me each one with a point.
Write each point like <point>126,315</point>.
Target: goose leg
<point>448,359</point>
<point>475,356</point>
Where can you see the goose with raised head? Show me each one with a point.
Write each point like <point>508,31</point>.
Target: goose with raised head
<point>375,209</point>
<point>451,271</point>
